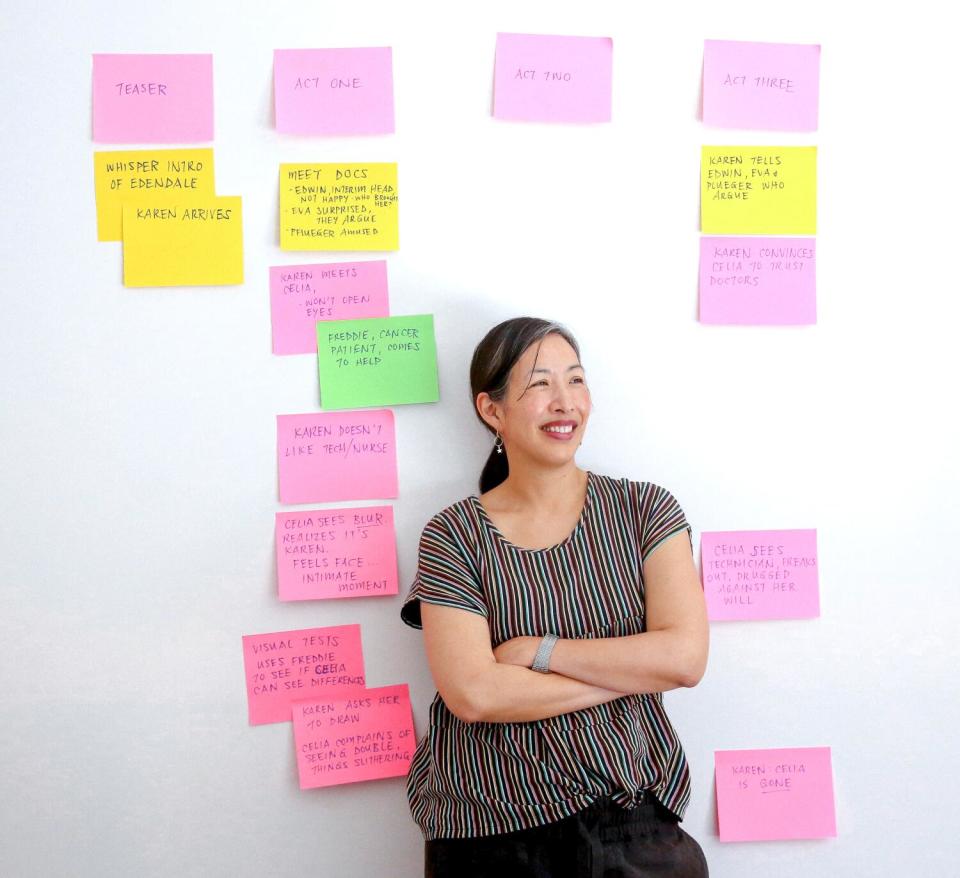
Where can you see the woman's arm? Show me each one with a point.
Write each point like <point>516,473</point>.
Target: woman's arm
<point>477,688</point>
<point>670,654</point>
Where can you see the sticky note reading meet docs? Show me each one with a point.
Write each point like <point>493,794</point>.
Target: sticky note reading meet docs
<point>152,98</point>
<point>339,207</point>
<point>758,190</point>
<point>352,738</point>
<point>763,574</point>
<point>380,361</point>
<point>758,281</point>
<point>300,295</point>
<point>333,91</point>
<point>289,666</point>
<point>186,243</point>
<point>161,175</point>
<point>330,456</point>
<point>336,553</point>
<point>541,78</point>
<point>773,86</point>
<point>764,795</point>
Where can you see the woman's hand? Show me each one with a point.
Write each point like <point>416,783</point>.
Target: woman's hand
<point>520,651</point>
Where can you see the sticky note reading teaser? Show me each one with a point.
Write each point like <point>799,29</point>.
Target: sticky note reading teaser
<point>379,361</point>
<point>541,78</point>
<point>339,207</point>
<point>161,175</point>
<point>330,456</point>
<point>775,86</point>
<point>763,574</point>
<point>363,736</point>
<point>336,553</point>
<point>763,795</point>
<point>758,281</point>
<point>333,91</point>
<point>289,666</point>
<point>758,190</point>
<point>186,243</point>
<point>300,295</point>
<point>152,98</point>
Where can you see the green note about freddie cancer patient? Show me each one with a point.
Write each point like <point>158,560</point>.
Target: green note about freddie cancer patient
<point>377,361</point>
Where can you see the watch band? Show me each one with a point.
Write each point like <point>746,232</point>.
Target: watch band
<point>541,661</point>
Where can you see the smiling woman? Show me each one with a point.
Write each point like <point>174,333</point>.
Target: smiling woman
<point>556,607</point>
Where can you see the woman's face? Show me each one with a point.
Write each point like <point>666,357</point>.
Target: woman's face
<point>544,413</point>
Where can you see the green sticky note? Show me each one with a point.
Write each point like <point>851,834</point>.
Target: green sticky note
<point>377,361</point>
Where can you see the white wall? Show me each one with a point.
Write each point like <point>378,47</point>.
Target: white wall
<point>138,476</point>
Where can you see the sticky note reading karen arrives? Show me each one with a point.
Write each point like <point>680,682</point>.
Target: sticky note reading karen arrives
<point>333,91</point>
<point>330,456</point>
<point>773,86</point>
<point>289,666</point>
<point>336,553</point>
<point>160,175</point>
<point>758,190</point>
<point>763,574</point>
<point>339,207</point>
<point>765,795</point>
<point>758,281</point>
<point>152,98</point>
<point>379,361</point>
<point>300,295</point>
<point>544,78</point>
<point>358,737</point>
<point>185,243</point>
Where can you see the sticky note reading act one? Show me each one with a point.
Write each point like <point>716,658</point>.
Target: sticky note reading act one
<point>339,207</point>
<point>380,361</point>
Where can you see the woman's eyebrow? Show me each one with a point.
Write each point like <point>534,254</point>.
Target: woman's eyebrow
<point>569,368</point>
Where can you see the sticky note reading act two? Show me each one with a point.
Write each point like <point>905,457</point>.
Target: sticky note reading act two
<point>152,98</point>
<point>773,86</point>
<point>339,207</point>
<point>160,175</point>
<point>290,666</point>
<point>758,190</point>
<point>379,361</point>
<point>336,553</point>
<point>333,91</point>
<point>186,243</point>
<point>764,795</point>
<point>357,737</point>
<point>542,78</point>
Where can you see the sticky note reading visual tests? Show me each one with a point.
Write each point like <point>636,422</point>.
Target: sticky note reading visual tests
<point>339,206</point>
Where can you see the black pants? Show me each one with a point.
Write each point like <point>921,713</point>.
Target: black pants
<point>604,841</point>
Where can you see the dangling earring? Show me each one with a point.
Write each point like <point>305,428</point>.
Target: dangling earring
<point>498,443</point>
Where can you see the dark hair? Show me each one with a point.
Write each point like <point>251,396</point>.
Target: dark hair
<point>493,359</point>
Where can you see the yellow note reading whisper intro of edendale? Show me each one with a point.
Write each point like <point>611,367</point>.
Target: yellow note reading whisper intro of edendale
<point>187,243</point>
<point>339,206</point>
<point>139,176</point>
<point>758,190</point>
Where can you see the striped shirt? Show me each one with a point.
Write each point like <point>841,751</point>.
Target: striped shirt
<point>469,780</point>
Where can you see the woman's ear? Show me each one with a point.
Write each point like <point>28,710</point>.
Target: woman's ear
<point>489,410</point>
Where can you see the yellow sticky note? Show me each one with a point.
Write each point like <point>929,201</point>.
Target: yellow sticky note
<point>139,176</point>
<point>758,190</point>
<point>339,207</point>
<point>186,243</point>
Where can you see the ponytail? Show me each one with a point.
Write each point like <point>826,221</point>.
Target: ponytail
<point>495,470</point>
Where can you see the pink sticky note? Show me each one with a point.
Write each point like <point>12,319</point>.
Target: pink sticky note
<point>330,456</point>
<point>774,86</point>
<point>347,739</point>
<point>762,574</point>
<point>336,553</point>
<point>553,79</point>
<point>333,91</point>
<point>758,281</point>
<point>775,794</point>
<point>152,98</point>
<point>289,666</point>
<point>300,295</point>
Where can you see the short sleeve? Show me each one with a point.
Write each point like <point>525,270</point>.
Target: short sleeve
<point>660,518</point>
<point>445,573</point>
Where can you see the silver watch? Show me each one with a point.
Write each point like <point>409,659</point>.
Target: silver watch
<point>541,661</point>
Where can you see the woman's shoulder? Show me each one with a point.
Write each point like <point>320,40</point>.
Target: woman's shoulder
<point>459,516</point>
<point>626,488</point>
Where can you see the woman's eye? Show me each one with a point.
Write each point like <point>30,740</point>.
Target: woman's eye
<point>577,380</point>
